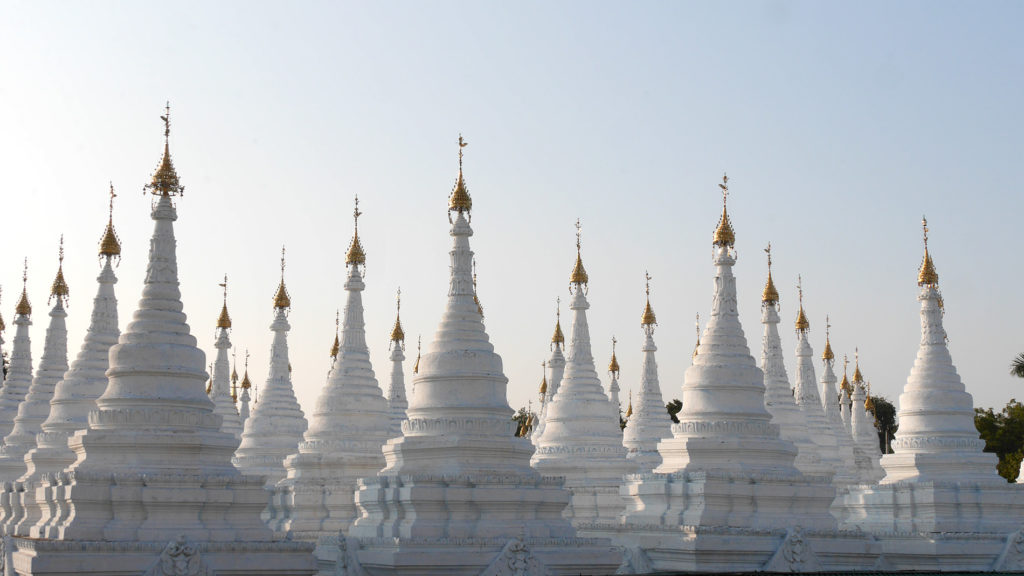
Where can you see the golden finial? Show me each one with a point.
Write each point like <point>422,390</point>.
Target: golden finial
<point>579,273</point>
<point>246,384</point>
<point>281,299</point>
<point>419,346</point>
<point>356,255</point>
<point>857,377</point>
<point>648,318</point>
<point>397,334</point>
<point>629,409</point>
<point>827,354</point>
<point>544,378</point>
<point>927,276</point>
<point>110,244</point>
<point>697,345</point>
<point>234,392</point>
<point>558,339</point>
<point>224,321</point>
<point>24,308</point>
<point>724,235</point>
<point>165,180</point>
<point>59,288</point>
<point>802,324</point>
<point>613,366</point>
<point>234,364</point>
<point>869,403</point>
<point>459,200</point>
<point>209,383</point>
<point>476,299</point>
<point>770,295</point>
<point>845,384</point>
<point>336,347</point>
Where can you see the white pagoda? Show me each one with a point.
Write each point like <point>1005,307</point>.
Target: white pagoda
<point>398,404</point>
<point>220,389</point>
<point>19,372</point>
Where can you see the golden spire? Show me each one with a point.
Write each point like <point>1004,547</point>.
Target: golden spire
<point>224,321</point>
<point>579,273</point>
<point>165,180</point>
<point>281,299</point>
<point>927,276</point>
<point>24,308</point>
<point>869,403</point>
<point>234,391</point>
<point>613,366</point>
<point>234,372</point>
<point>459,200</point>
<point>648,318</point>
<point>724,235</point>
<point>476,299</point>
<point>827,354</point>
<point>356,255</point>
<point>697,345</point>
<point>770,295</point>
<point>544,378</point>
<point>629,409</point>
<point>857,377</point>
<point>558,339</point>
<point>802,325</point>
<point>209,383</point>
<point>246,384</point>
<point>59,288</point>
<point>337,344</point>
<point>845,384</point>
<point>397,334</point>
<point>110,244</point>
<point>419,346</point>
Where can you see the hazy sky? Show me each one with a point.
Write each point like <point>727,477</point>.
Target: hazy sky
<point>839,124</point>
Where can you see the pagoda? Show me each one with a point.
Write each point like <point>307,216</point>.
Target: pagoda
<point>220,389</point>
<point>397,402</point>
<point>19,372</point>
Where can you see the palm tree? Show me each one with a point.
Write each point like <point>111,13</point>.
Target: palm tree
<point>1017,366</point>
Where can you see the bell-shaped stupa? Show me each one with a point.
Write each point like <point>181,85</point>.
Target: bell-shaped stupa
<point>458,456</point>
<point>273,430</point>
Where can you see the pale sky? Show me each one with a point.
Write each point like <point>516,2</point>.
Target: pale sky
<point>839,124</point>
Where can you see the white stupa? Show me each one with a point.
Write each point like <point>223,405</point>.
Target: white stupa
<point>555,367</point>
<point>778,395</point>
<point>19,372</point>
<point>245,385</point>
<point>867,454</point>
<point>153,484</point>
<point>648,421</point>
<point>613,387</point>
<point>397,402</point>
<point>846,402</point>
<point>582,438</point>
<point>458,495</point>
<point>830,402</point>
<point>938,481</point>
<point>274,429</point>
<point>220,391</point>
<point>350,423</point>
<point>34,410</point>
<point>74,396</point>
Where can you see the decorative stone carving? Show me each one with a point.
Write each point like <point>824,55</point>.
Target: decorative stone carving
<point>793,555</point>
<point>635,561</point>
<point>180,558</point>
<point>1012,557</point>
<point>515,559</point>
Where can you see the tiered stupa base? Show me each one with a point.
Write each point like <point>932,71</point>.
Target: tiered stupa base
<point>592,475</point>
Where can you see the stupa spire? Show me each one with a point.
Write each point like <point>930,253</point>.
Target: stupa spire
<point>110,244</point>
<point>397,402</point>
<point>276,423</point>
<point>165,180</point>
<point>459,201</point>
<point>24,308</point>
<point>696,346</point>
<point>649,423</point>
<point>578,279</point>
<point>558,338</point>
<point>724,234</point>
<point>223,393</point>
<point>245,385</point>
<point>555,367</point>
<point>19,371</point>
<point>847,473</point>
<point>845,398</point>
<point>356,256</point>
<point>613,388</point>
<point>770,295</point>
<point>802,324</point>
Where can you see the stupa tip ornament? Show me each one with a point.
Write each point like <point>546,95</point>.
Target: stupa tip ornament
<point>397,334</point>
<point>724,234</point>
<point>648,318</point>
<point>845,384</point>
<point>110,244</point>
<point>613,366</point>
<point>770,295</point>
<point>558,338</point>
<point>356,256</point>
<point>802,324</point>
<point>579,277</point>
<point>827,355</point>
<point>281,298</point>
<point>629,409</point>
<point>246,383</point>
<point>165,180</point>
<point>857,376</point>
<point>926,275</point>
<point>459,200</point>
<point>336,347</point>
<point>544,379</point>
<point>23,307</point>
<point>59,288</point>
<point>419,347</point>
<point>224,320</point>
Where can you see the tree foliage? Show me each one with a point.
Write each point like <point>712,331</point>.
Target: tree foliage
<point>1003,433</point>
<point>673,408</point>
<point>521,417</point>
<point>885,422</point>
<point>1017,366</point>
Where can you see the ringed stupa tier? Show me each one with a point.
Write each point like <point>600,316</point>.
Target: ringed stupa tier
<point>274,428</point>
<point>75,395</point>
<point>649,422</point>
<point>220,390</point>
<point>397,402</point>
<point>778,395</point>
<point>582,438</point>
<point>725,437</point>
<point>35,408</point>
<point>153,466</point>
<point>350,423</point>
<point>555,367</point>
<point>19,371</point>
<point>458,456</point>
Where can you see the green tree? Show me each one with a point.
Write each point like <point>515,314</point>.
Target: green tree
<point>1017,366</point>
<point>673,408</point>
<point>1003,433</point>
<point>885,423</point>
